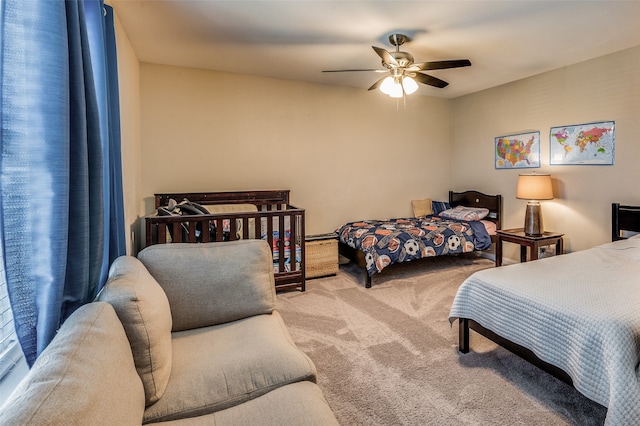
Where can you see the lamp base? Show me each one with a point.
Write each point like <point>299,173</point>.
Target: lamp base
<point>533,219</point>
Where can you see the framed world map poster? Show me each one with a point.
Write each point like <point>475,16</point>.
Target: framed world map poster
<point>591,143</point>
<point>518,151</point>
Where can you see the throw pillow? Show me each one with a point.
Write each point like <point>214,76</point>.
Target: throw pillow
<point>421,207</point>
<point>439,206</point>
<point>143,309</point>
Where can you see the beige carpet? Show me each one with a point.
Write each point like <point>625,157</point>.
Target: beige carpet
<point>388,356</point>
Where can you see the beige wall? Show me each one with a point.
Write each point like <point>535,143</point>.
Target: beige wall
<point>607,88</point>
<point>348,154</point>
<point>345,154</point>
<point>129,85</point>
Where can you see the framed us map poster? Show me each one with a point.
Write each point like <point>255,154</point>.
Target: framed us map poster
<point>591,143</point>
<point>518,151</point>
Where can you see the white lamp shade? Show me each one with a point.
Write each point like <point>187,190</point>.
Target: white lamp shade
<point>409,84</point>
<point>396,91</point>
<point>534,187</point>
<point>387,85</point>
<point>390,86</point>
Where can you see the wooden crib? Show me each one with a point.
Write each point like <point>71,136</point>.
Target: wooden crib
<point>271,218</point>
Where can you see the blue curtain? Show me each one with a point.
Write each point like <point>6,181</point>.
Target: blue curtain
<point>57,143</point>
<point>102,44</point>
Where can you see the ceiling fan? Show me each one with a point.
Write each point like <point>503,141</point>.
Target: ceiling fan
<point>404,72</point>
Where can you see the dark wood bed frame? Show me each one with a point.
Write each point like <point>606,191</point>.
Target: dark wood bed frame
<point>271,204</point>
<point>466,198</point>
<point>623,218</point>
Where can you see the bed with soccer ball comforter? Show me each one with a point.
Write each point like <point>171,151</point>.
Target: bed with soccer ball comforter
<point>385,242</point>
<point>465,223</point>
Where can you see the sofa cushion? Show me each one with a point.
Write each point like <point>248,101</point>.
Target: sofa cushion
<point>297,404</point>
<point>144,311</point>
<point>213,283</point>
<point>86,376</point>
<point>235,362</point>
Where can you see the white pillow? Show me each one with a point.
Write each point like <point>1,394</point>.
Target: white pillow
<point>465,213</point>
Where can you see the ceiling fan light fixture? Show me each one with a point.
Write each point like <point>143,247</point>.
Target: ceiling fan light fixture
<point>387,85</point>
<point>405,73</point>
<point>391,86</point>
<point>396,90</point>
<point>409,85</point>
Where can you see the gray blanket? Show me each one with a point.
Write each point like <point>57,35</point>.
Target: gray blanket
<point>581,313</point>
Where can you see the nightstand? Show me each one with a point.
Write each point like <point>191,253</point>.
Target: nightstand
<point>518,236</point>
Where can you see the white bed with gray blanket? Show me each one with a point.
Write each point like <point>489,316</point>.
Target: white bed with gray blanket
<point>578,315</point>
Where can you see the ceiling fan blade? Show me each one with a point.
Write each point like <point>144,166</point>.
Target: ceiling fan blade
<point>386,56</point>
<point>431,81</point>
<point>377,84</point>
<point>440,65</point>
<point>374,70</point>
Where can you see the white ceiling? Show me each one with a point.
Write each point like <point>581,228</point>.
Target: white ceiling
<point>505,40</point>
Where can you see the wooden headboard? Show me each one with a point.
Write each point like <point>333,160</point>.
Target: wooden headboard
<point>478,199</point>
<point>624,218</point>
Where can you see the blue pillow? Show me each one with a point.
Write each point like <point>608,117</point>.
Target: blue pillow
<point>439,206</point>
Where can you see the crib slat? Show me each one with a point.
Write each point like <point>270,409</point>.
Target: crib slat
<point>292,242</point>
<point>205,235</point>
<point>176,232</point>
<point>219,230</point>
<point>191,235</point>
<point>245,228</point>
<point>270,232</point>
<point>281,244</point>
<point>233,229</point>
<point>162,233</point>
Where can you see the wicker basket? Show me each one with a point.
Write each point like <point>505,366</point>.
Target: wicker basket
<point>321,257</point>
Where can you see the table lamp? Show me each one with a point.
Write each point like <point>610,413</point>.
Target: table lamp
<point>534,187</point>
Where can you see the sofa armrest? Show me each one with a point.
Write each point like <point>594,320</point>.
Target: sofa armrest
<point>213,283</point>
<point>85,376</point>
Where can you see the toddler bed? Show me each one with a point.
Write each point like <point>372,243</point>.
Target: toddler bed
<point>577,316</point>
<point>467,222</point>
<point>201,217</point>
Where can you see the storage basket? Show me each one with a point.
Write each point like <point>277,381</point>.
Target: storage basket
<point>321,256</point>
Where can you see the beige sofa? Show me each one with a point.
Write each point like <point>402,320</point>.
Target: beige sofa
<point>183,334</point>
